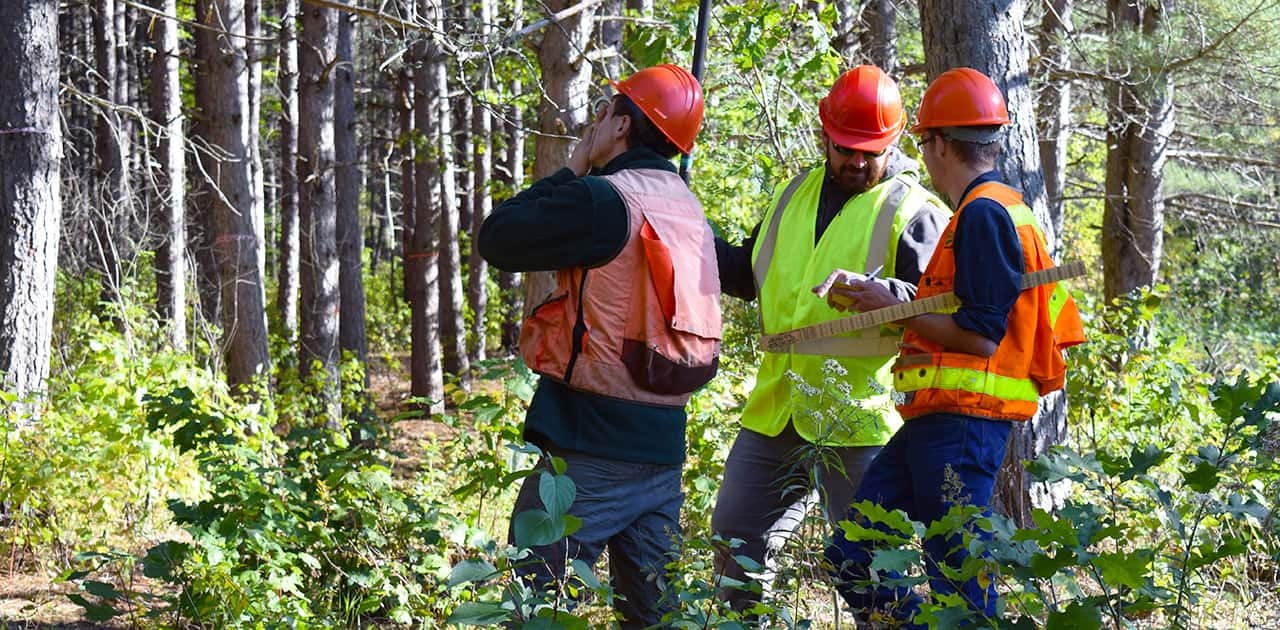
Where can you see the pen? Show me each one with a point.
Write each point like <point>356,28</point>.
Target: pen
<point>872,275</point>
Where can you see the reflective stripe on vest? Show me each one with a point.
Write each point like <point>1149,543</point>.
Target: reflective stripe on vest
<point>969,380</point>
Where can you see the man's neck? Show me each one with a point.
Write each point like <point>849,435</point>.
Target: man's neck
<point>962,176</point>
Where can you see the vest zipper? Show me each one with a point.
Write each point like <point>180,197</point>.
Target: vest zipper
<point>579,328</point>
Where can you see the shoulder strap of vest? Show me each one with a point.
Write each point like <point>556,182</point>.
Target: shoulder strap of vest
<point>761,267</point>
<point>1003,193</point>
<point>878,249</point>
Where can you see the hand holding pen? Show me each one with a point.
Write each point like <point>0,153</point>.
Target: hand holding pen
<point>848,290</point>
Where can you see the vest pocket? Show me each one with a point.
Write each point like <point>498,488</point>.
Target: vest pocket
<point>661,375</point>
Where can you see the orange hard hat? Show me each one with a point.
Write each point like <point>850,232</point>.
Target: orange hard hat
<point>961,97</point>
<point>672,99</point>
<point>863,110</point>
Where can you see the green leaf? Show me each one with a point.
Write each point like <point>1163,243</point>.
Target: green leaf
<point>94,612</point>
<point>535,528</point>
<point>895,559</point>
<point>557,493</point>
<point>1075,617</point>
<point>1124,568</point>
<point>1203,478</point>
<point>101,589</point>
<point>584,573</point>
<point>571,524</point>
<point>478,614</point>
<point>559,465</point>
<point>470,571</point>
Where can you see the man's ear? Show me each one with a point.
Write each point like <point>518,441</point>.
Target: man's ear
<point>621,128</point>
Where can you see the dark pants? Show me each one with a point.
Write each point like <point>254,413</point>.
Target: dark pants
<point>634,510</point>
<point>766,492</point>
<point>932,463</point>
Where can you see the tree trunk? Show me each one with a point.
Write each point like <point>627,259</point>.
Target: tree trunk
<point>287,245</point>
<point>510,284</point>
<point>317,203</point>
<point>234,239</point>
<point>254,50</point>
<point>406,158</point>
<point>166,113</point>
<point>30,202</point>
<point>988,36</point>
<point>611,39</point>
<point>845,41</point>
<point>200,198</point>
<point>452,326</point>
<point>563,111</point>
<point>482,198</point>
<point>351,334</point>
<point>421,268</point>
<point>1054,107</point>
<point>112,178</point>
<point>1139,123</point>
<point>880,35</point>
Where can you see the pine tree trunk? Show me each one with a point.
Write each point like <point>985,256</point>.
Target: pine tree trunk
<point>317,52</point>
<point>482,203</point>
<point>421,268</point>
<point>1139,123</point>
<point>287,243</point>
<point>880,35</point>
<point>166,113</point>
<point>30,201</point>
<point>200,196</point>
<point>112,178</point>
<point>254,51</point>
<point>406,159</point>
<point>452,327</point>
<point>511,285</point>
<point>351,337</point>
<point>234,239</point>
<point>988,36</point>
<point>1054,107</point>
<point>563,111</point>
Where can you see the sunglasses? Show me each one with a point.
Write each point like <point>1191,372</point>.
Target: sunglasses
<point>849,152</point>
<point>920,142</point>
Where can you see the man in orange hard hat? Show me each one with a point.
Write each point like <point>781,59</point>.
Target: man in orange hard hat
<point>965,377</point>
<point>622,340</point>
<point>863,210</point>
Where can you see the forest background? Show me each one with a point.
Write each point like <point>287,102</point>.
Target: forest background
<point>254,374</point>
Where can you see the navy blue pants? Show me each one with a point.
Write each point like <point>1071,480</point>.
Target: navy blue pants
<point>632,509</point>
<point>932,463</point>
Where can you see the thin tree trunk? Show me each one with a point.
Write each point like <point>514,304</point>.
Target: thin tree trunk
<point>421,266</point>
<point>318,51</point>
<point>111,175</point>
<point>234,240</point>
<point>254,50</point>
<point>166,113</point>
<point>351,337</point>
<point>1139,123</point>
<point>452,325</point>
<point>845,41</point>
<point>287,245</point>
<point>563,111</point>
<point>406,158</point>
<point>481,171</point>
<point>611,39</point>
<point>30,201</point>
<point>511,285</point>
<point>992,41</point>
<point>1054,107</point>
<point>880,34</point>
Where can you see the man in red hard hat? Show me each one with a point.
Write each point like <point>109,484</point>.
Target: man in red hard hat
<point>965,377</point>
<point>623,339</point>
<point>863,210</point>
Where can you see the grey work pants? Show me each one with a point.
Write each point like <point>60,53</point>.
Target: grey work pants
<point>769,486</point>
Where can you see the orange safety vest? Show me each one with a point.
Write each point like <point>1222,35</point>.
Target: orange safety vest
<point>644,327</point>
<point>1027,364</point>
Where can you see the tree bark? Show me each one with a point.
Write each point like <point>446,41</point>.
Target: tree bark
<point>257,174</point>
<point>351,333</point>
<point>200,228</point>
<point>563,111</point>
<point>482,202</point>
<point>1054,106</point>
<point>111,146</point>
<point>880,35</point>
<point>421,266</point>
<point>234,239</point>
<point>511,285</point>
<point>287,243</point>
<point>166,113</point>
<point>452,326</point>
<point>1139,123</point>
<point>30,201</point>
<point>319,307</point>
<point>845,41</point>
<point>988,37</point>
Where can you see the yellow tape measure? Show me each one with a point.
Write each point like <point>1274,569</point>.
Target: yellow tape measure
<point>783,341</point>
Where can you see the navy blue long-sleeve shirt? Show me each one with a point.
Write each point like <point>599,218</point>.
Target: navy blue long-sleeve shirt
<point>989,264</point>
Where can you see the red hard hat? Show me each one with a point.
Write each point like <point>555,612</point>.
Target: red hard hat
<point>863,110</point>
<point>671,98</point>
<point>961,97</point>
